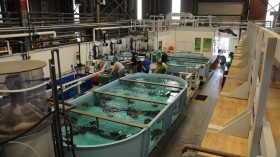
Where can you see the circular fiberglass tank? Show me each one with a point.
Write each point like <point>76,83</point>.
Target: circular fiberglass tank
<point>126,117</point>
<point>23,103</point>
<point>21,106</point>
<point>179,63</point>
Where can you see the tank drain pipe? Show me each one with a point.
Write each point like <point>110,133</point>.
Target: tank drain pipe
<point>206,150</point>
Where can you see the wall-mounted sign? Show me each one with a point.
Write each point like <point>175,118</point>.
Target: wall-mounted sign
<point>207,44</point>
<point>197,44</point>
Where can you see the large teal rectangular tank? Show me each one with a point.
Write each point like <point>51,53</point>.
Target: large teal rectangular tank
<point>127,117</point>
<point>178,63</point>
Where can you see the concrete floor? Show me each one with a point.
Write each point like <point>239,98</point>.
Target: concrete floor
<point>191,127</point>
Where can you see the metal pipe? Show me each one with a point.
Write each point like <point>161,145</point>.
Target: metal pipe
<point>79,47</point>
<point>113,10</point>
<point>206,150</point>
<point>27,3</point>
<point>93,35</point>
<point>56,26</point>
<point>56,120</point>
<point>27,34</point>
<point>119,27</point>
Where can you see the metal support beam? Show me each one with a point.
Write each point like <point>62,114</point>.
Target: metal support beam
<point>108,5</point>
<point>118,6</point>
<point>131,97</point>
<point>151,83</point>
<point>98,11</point>
<point>109,118</point>
<point>113,11</point>
<point>123,8</point>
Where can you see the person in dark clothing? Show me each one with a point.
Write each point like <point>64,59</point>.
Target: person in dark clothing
<point>146,65</point>
<point>164,57</point>
<point>134,63</point>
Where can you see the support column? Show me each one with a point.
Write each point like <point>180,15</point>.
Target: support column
<point>97,11</point>
<point>91,8</point>
<point>254,145</point>
<point>24,12</point>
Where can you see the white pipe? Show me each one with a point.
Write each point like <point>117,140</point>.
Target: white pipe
<point>93,34</point>
<point>117,27</point>
<point>27,3</point>
<point>88,76</point>
<point>23,90</point>
<point>27,34</point>
<point>83,78</point>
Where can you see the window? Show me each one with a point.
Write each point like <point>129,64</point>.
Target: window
<point>273,5</point>
<point>76,8</point>
<point>176,8</point>
<point>139,9</point>
<point>1,21</point>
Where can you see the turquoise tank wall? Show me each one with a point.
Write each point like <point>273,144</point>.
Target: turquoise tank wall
<point>178,63</point>
<point>148,134</point>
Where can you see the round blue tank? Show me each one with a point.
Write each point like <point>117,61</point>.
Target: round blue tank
<point>178,63</point>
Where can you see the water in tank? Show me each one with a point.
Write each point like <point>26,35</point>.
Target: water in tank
<point>23,98</point>
<point>178,63</point>
<point>130,114</point>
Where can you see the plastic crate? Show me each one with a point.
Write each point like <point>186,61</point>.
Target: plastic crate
<point>107,78</point>
<point>104,79</point>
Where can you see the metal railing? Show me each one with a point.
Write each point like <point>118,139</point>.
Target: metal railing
<point>8,19</point>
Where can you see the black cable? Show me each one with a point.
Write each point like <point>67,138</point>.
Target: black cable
<point>26,131</point>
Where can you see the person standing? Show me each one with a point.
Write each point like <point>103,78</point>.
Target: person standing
<point>119,67</point>
<point>134,63</point>
<point>158,54</point>
<point>164,57</point>
<point>146,65</point>
<point>149,55</point>
<point>116,56</point>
